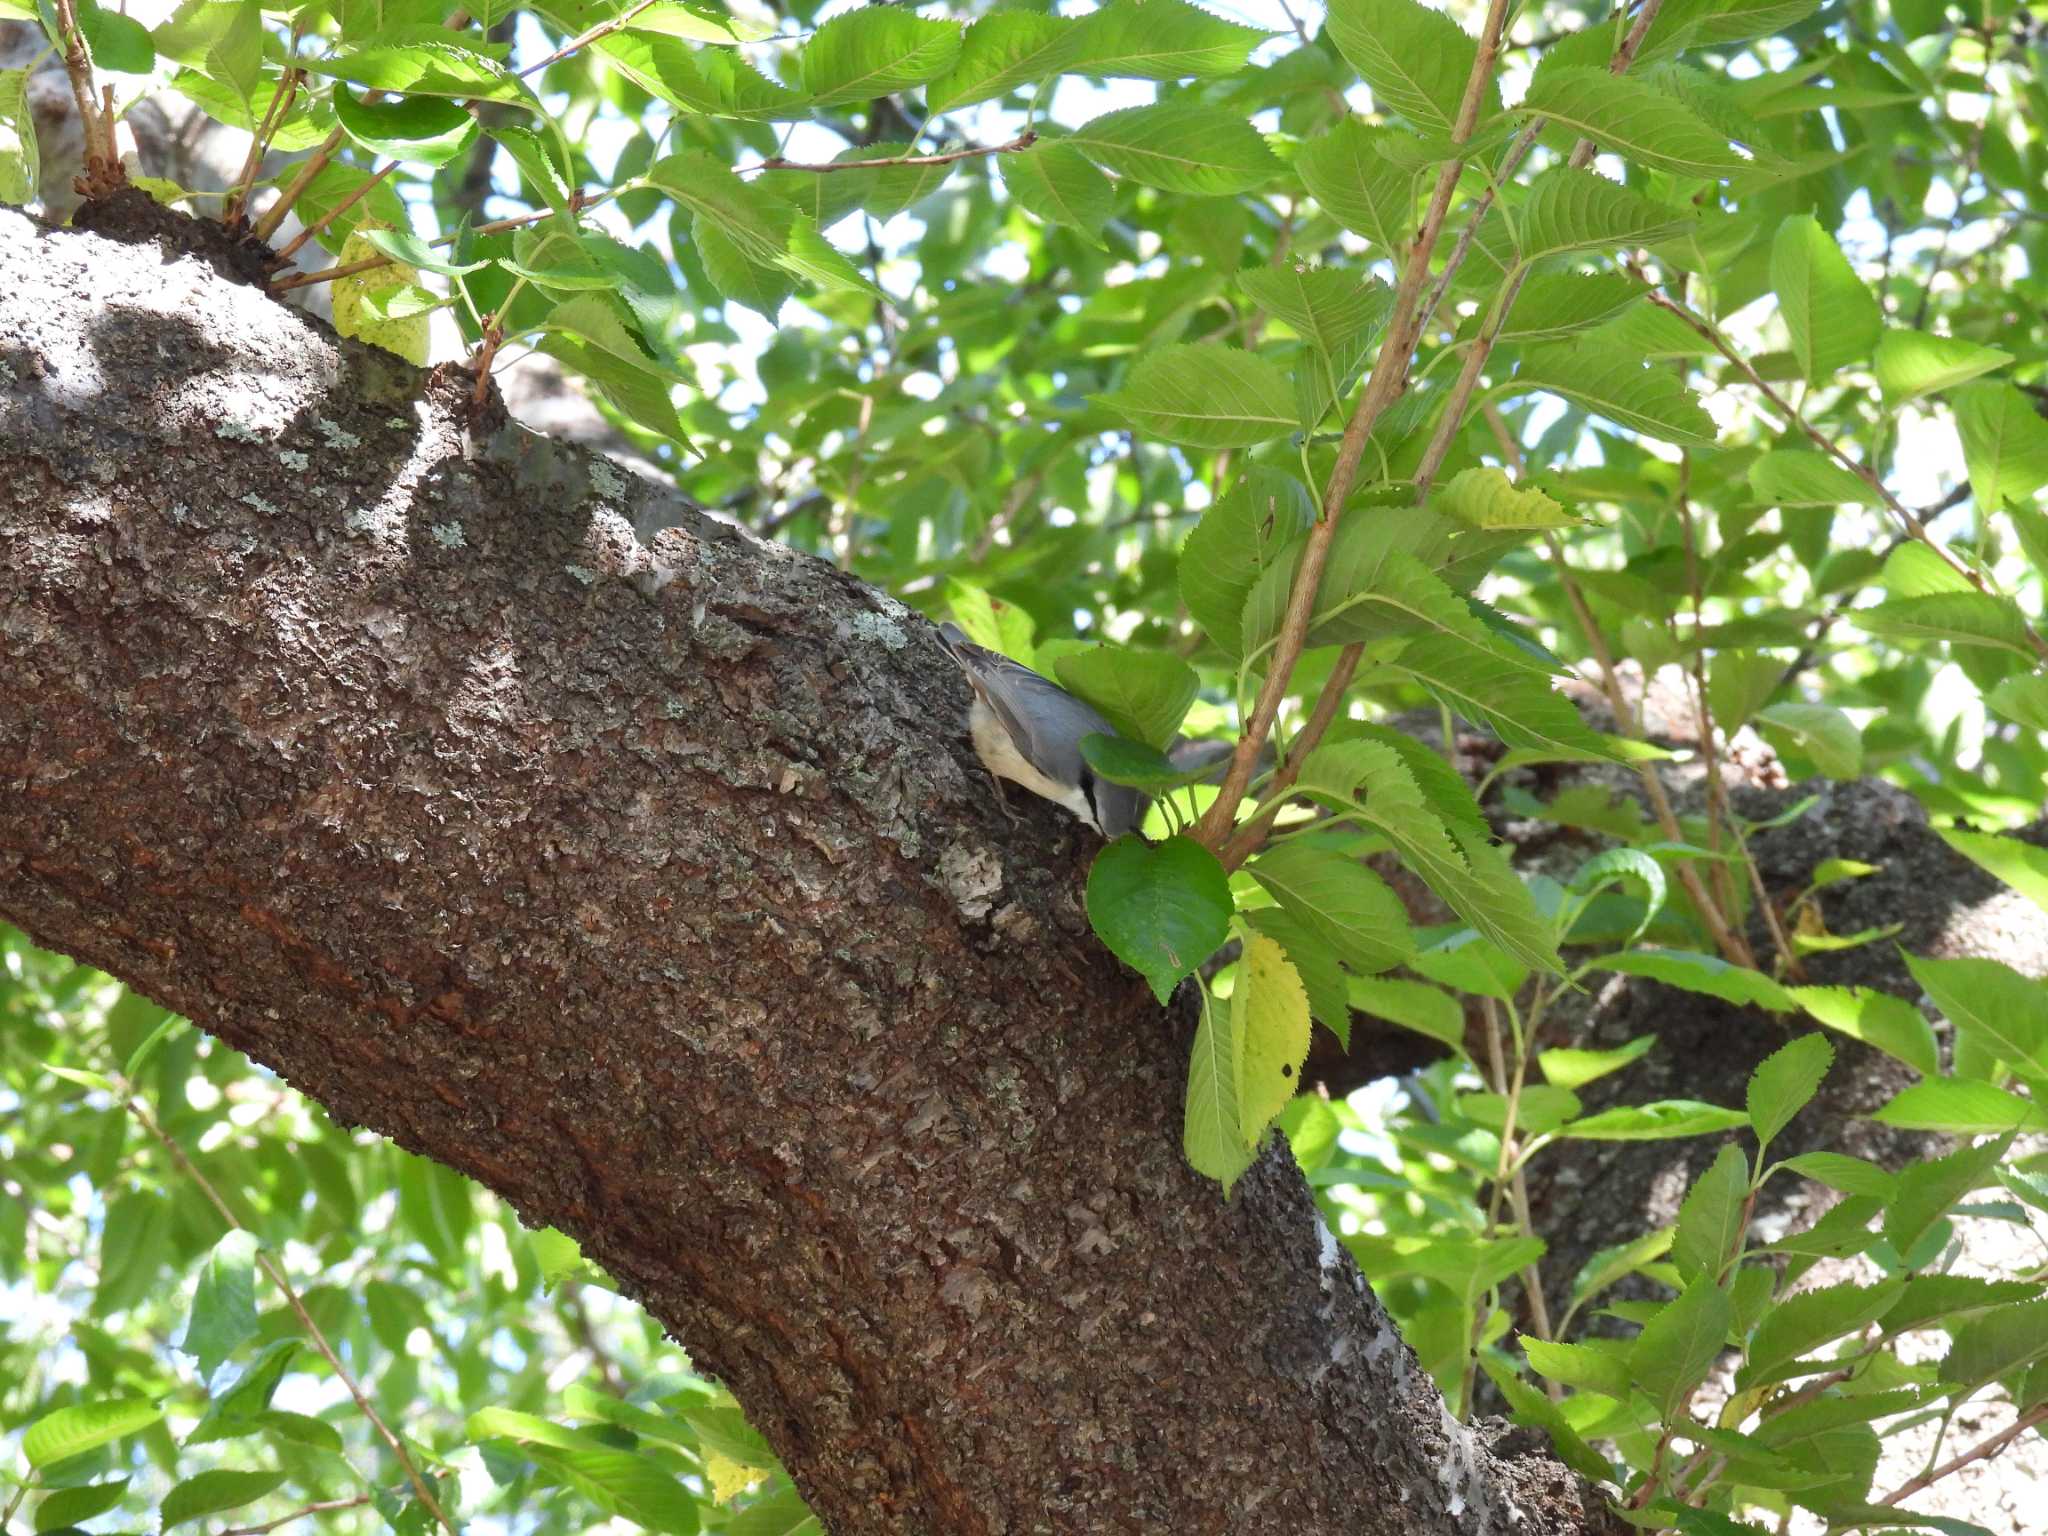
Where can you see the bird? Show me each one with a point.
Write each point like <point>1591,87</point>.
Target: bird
<point>1028,729</point>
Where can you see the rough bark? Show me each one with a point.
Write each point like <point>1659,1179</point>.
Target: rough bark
<point>657,890</point>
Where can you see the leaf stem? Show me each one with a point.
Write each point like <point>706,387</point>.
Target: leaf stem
<point>584,38</point>
<point>325,1506</point>
<point>292,246</point>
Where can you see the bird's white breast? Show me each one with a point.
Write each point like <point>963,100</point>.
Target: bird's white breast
<point>999,754</point>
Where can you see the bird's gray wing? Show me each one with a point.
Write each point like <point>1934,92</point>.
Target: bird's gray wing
<point>1043,719</point>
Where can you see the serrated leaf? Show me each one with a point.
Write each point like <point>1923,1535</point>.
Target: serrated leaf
<point>1162,908</point>
<point>223,1314</point>
<point>2000,1341</point>
<point>83,1427</point>
<point>1833,318</point>
<point>1629,393</point>
<point>1676,1348</point>
<point>1570,1067</point>
<point>1237,540</point>
<point>419,130</point>
<point>211,1492</point>
<point>757,224</point>
<point>1784,1081</point>
<point>818,261</point>
<point>1959,618</point>
<point>1144,694</point>
<point>220,39</point>
<point>2022,699</point>
<point>1159,40</point>
<point>1622,114</point>
<point>1357,185</point>
<point>1059,184</point>
<point>1322,977</point>
<point>1002,52</point>
<point>1590,1367</point>
<point>1575,210</point>
<point>762,287</point>
<point>1413,1005</point>
<point>1659,1120</point>
<point>1697,972</point>
<point>1910,364</point>
<point>1822,732</point>
<point>1212,1130</point>
<point>1880,1020</point>
<point>1414,59</point>
<point>1800,1324</point>
<point>1341,901</point>
<point>1554,305</point>
<point>2005,442</point>
<point>20,159</point>
<point>1499,690</point>
<point>65,1508</point>
<point>408,249</point>
<point>408,337</point>
<point>2020,865</point>
<point>1272,1025</point>
<point>1617,866</point>
<point>1851,1175</point>
<point>428,61</point>
<point>1205,396</point>
<point>1328,307</point>
<point>714,81</point>
<point>2000,1010</point>
<point>874,51</point>
<point>1712,1217</point>
<point>1798,478</point>
<point>1179,146</point>
<point>1961,1107</point>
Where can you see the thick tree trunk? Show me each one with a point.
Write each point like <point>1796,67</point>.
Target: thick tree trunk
<point>658,891</point>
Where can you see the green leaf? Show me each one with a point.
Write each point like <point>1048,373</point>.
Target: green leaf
<point>1341,901</point>
<point>1610,383</point>
<point>1575,210</point>
<point>762,287</point>
<point>1413,1005</point>
<point>875,51</point>
<point>1570,1067</point>
<point>1271,1024</point>
<point>1784,1082</point>
<point>1322,977</point>
<point>1471,876</point>
<point>428,61</point>
<point>1330,308</point>
<point>1123,761</point>
<point>757,224</point>
<point>1415,60</point>
<point>1617,866</point>
<point>73,1506</point>
<point>1357,185</point>
<point>1144,694</point>
<point>1058,183</point>
<point>1800,1324</point>
<point>220,39</point>
<point>116,42</point>
<point>1823,732</point>
<point>1159,40</point>
<point>1676,1348</point>
<point>1703,973</point>
<point>1212,1132</point>
<point>587,333</point>
<point>1591,1367</point>
<point>1179,146</point>
<point>1238,539</point>
<point>1484,497</point>
<point>1711,1221</point>
<point>223,1305</point>
<point>1162,908</point>
<point>20,159</point>
<point>211,1492</point>
<point>1608,1265</point>
<point>1623,114</point>
<point>1927,1191</point>
<point>1798,478</point>
<point>1880,1020</point>
<point>1996,1008</point>
<point>1851,1175</point>
<point>1910,364</point>
<point>419,130</point>
<point>2005,442</point>
<point>1554,305</point>
<point>1832,316</point>
<point>2020,865</point>
<point>408,249</point>
<point>1960,618</point>
<point>1660,1120</point>
<point>1002,52</point>
<point>83,1427</point>
<point>817,260</point>
<point>239,1407</point>
<point>2022,699</point>
<point>1205,396</point>
<point>2000,1341</point>
<point>1496,688</point>
<point>715,82</point>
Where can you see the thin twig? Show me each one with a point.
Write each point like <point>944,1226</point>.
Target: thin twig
<point>577,202</point>
<point>292,246</point>
<point>103,173</point>
<point>315,164</point>
<point>270,1268</point>
<point>1023,141</point>
<point>584,38</point>
<point>259,142</point>
<point>1983,1450</point>
<point>325,1506</point>
<point>1389,376</point>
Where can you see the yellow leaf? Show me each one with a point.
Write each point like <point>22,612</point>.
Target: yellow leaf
<point>729,1478</point>
<point>1271,1015</point>
<point>406,336</point>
